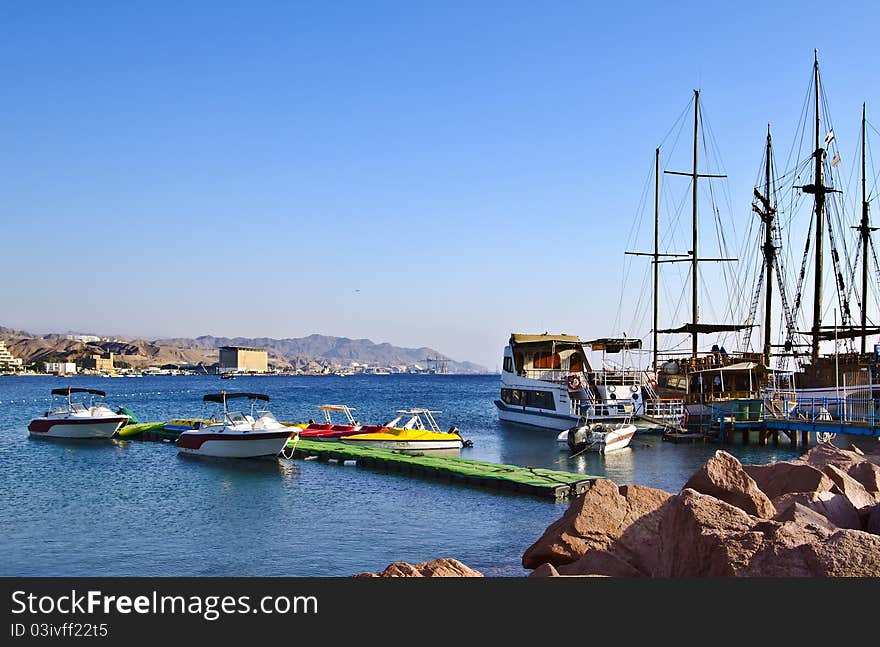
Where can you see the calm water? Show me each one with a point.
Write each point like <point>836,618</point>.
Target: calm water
<point>81,508</point>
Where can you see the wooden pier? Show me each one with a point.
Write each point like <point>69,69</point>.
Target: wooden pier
<point>545,483</point>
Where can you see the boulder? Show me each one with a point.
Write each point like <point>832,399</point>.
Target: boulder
<point>873,523</point>
<point>785,477</point>
<point>795,550</point>
<point>599,518</point>
<point>846,553</point>
<point>836,508</point>
<point>867,474</point>
<point>802,515</point>
<point>828,454</point>
<point>443,567</point>
<point>544,570</point>
<point>724,478</point>
<point>701,536</point>
<point>849,487</point>
<point>601,562</point>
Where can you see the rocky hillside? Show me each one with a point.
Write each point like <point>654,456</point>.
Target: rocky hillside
<point>334,350</point>
<point>283,353</point>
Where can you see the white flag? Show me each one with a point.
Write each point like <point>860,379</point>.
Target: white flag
<point>836,159</point>
<point>829,137</point>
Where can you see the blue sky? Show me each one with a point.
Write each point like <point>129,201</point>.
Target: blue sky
<point>435,173</point>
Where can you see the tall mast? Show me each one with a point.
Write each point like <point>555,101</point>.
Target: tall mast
<point>769,249</point>
<point>694,262</point>
<point>656,246</point>
<point>818,190</point>
<point>865,229</point>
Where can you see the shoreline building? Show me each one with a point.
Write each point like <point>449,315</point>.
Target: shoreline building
<point>60,368</point>
<point>241,359</point>
<point>98,362</point>
<point>8,362</point>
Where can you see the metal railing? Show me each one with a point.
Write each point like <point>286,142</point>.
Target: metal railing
<point>601,408</point>
<point>601,378</point>
<point>845,410</point>
<point>664,408</point>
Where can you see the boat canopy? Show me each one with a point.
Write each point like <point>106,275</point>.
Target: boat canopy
<point>517,338</point>
<point>849,332</point>
<point>223,396</point>
<point>706,328</point>
<point>614,345</point>
<point>334,407</point>
<point>71,389</point>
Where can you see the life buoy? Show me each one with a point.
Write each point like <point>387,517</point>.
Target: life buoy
<point>634,388</point>
<point>574,382</point>
<point>611,388</point>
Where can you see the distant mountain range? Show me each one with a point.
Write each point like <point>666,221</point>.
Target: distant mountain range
<point>290,352</point>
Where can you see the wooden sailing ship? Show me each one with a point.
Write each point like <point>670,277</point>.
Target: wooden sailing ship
<point>714,384</point>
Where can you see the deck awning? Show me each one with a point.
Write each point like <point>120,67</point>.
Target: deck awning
<point>844,333</point>
<point>614,345</point>
<point>706,328</point>
<point>222,396</point>
<point>72,389</point>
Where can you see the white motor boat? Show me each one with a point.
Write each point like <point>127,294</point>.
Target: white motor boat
<point>76,419</point>
<point>237,434</point>
<point>599,437</point>
<point>548,382</point>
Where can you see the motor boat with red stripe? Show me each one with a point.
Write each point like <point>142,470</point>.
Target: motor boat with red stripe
<point>236,434</point>
<point>331,430</point>
<point>76,418</point>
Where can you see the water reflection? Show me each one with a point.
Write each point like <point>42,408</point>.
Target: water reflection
<point>267,465</point>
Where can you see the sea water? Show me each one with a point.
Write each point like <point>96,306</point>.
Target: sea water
<point>134,508</point>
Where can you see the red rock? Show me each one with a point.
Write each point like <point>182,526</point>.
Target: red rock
<point>802,515</point>
<point>443,567</point>
<point>785,551</point>
<point>601,562</point>
<point>703,536</point>
<point>847,553</point>
<point>598,518</point>
<point>836,508</point>
<point>544,570</point>
<point>828,454</point>
<point>724,478</point>
<point>849,487</point>
<point>873,521</point>
<point>867,474</point>
<point>777,479</point>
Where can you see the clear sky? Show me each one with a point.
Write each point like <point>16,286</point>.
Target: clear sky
<point>421,173</point>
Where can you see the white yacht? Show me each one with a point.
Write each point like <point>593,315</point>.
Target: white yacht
<point>547,381</point>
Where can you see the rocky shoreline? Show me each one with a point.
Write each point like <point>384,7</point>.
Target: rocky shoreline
<point>816,516</point>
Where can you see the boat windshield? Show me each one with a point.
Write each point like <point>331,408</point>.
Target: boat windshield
<point>265,413</point>
<point>236,418</point>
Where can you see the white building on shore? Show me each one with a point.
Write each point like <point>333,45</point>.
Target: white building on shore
<point>8,362</point>
<point>61,368</point>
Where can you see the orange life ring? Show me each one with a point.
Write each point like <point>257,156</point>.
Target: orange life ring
<point>574,382</point>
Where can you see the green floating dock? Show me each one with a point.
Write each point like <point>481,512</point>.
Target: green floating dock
<point>534,481</point>
<point>147,431</point>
